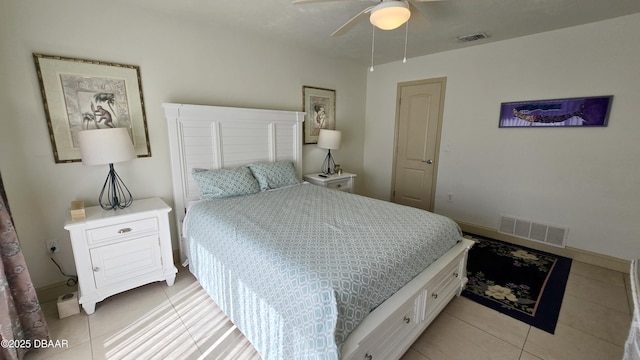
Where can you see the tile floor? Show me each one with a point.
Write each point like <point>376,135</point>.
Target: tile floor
<point>181,322</point>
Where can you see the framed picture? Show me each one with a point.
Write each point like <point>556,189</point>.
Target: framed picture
<point>320,107</point>
<point>86,94</point>
<point>584,111</point>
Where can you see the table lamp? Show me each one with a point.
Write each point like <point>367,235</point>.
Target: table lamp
<point>330,140</point>
<point>108,146</point>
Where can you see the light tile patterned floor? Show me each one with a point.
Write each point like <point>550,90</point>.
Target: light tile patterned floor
<point>181,322</point>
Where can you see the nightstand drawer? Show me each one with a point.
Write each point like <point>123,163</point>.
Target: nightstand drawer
<point>343,185</point>
<point>122,230</point>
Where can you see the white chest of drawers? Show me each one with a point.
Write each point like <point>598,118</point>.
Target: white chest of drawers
<point>117,250</point>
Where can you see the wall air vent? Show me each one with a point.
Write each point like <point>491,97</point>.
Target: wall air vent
<point>534,231</point>
<point>472,37</point>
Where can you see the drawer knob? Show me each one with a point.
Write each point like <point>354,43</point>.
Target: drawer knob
<point>368,356</point>
<point>96,269</point>
<point>124,231</point>
<point>434,295</point>
<point>455,274</point>
<point>407,319</point>
<point>339,185</point>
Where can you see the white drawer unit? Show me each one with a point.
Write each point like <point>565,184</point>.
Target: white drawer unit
<point>342,182</point>
<point>400,326</point>
<point>444,287</point>
<point>116,232</point>
<point>117,250</point>
<point>417,306</point>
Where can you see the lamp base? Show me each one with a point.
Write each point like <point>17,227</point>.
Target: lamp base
<point>328,165</point>
<point>117,194</point>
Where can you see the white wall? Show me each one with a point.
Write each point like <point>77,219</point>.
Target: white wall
<point>585,178</point>
<point>180,61</point>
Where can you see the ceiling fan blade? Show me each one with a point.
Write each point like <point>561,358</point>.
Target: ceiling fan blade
<point>352,22</point>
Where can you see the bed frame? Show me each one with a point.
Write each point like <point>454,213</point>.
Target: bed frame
<point>222,137</point>
<point>214,137</point>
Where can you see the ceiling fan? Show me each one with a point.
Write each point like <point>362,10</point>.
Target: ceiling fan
<point>386,15</point>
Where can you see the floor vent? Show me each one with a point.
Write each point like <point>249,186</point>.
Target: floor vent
<point>535,231</point>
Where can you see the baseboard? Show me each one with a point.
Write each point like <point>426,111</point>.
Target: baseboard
<point>51,292</point>
<point>588,257</point>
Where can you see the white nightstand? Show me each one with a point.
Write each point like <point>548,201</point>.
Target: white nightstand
<point>343,182</point>
<point>117,250</point>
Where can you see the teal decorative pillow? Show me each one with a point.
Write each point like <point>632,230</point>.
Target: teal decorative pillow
<point>221,183</point>
<point>272,175</point>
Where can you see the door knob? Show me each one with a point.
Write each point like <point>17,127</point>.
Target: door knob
<point>428,161</point>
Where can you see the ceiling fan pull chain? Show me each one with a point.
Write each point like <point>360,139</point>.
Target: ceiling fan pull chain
<point>406,35</point>
<point>373,43</point>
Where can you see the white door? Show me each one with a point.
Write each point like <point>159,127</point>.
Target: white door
<point>417,142</point>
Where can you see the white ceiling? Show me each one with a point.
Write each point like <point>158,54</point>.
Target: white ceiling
<point>432,30</point>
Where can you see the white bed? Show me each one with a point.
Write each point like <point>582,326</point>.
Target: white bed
<point>220,137</point>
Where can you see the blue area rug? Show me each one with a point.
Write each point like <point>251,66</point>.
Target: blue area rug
<point>520,282</point>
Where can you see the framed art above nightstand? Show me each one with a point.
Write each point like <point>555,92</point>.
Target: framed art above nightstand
<point>342,182</point>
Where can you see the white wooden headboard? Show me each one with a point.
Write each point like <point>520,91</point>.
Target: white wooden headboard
<point>213,137</point>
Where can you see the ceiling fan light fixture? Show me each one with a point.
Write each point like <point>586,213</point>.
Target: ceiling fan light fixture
<point>390,15</point>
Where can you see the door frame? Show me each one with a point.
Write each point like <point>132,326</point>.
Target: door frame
<point>443,82</point>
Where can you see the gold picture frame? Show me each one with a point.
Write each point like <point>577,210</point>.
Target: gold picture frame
<point>81,94</point>
<point>320,107</point>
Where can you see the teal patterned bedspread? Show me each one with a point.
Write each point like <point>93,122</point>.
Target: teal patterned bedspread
<point>296,269</point>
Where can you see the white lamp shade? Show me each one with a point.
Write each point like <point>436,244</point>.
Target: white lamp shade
<point>329,139</point>
<point>105,146</point>
<point>390,15</point>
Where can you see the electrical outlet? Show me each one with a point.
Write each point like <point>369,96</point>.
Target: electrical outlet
<point>52,247</point>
